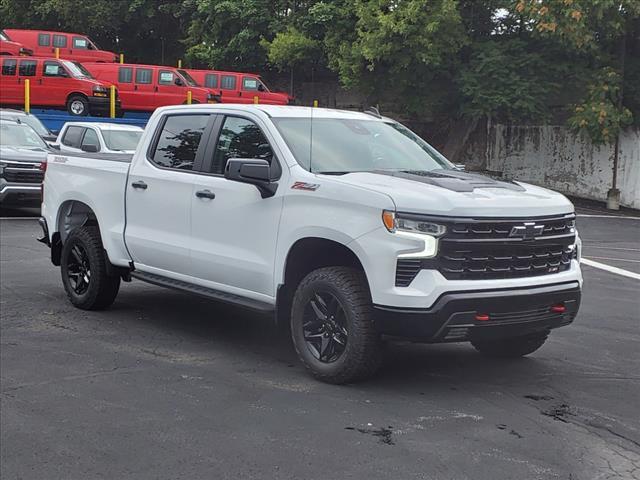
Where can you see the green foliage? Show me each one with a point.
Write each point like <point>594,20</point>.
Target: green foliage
<point>291,48</point>
<point>599,116</point>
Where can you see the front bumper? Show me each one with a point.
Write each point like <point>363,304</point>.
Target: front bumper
<point>101,106</point>
<point>511,313</point>
<point>20,194</point>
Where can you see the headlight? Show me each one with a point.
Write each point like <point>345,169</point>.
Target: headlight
<point>400,223</point>
<point>99,91</point>
<point>423,231</point>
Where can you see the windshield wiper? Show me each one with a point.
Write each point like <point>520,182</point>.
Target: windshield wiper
<point>332,173</point>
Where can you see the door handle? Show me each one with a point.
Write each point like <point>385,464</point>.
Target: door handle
<point>205,194</point>
<point>139,184</point>
<point>135,87</point>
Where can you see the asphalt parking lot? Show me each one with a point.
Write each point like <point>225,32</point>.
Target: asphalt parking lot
<point>166,386</point>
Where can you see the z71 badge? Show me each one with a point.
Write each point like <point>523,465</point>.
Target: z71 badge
<point>311,187</point>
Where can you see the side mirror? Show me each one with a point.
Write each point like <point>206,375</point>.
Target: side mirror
<point>253,171</point>
<point>89,148</point>
<point>54,146</point>
<point>178,81</point>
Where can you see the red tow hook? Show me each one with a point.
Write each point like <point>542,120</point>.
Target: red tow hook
<point>482,317</point>
<point>559,308</point>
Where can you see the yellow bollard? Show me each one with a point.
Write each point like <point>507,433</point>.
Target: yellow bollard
<point>121,58</point>
<point>27,95</point>
<point>112,101</point>
<point>57,52</point>
<point>179,63</point>
<point>315,103</point>
<point>189,97</point>
<point>256,100</point>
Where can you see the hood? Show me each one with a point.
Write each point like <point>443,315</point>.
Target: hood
<point>456,193</point>
<point>22,154</point>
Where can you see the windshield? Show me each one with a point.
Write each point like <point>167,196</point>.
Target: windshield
<point>77,69</point>
<point>347,145</point>
<point>121,139</point>
<point>34,123</point>
<point>188,78</point>
<point>20,135</point>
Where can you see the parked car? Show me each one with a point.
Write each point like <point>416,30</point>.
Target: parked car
<point>31,120</point>
<point>239,87</point>
<point>60,84</point>
<point>361,231</point>
<point>9,47</point>
<point>72,46</point>
<point>22,153</point>
<point>147,87</point>
<point>98,137</point>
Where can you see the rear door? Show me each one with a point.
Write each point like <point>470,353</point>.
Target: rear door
<point>11,93</point>
<point>71,138</point>
<point>231,89</point>
<point>126,89</point>
<point>27,69</point>
<point>159,194</point>
<point>144,89</point>
<point>61,41</point>
<point>44,46</point>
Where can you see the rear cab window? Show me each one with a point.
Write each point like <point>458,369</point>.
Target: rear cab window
<point>228,82</point>
<point>9,66</point>
<point>72,136</point>
<point>44,39</point>
<point>144,75</point>
<point>60,41</point>
<point>27,68</point>
<point>179,141</point>
<point>125,75</point>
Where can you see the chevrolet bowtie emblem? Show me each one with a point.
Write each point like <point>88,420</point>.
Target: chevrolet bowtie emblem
<point>528,231</point>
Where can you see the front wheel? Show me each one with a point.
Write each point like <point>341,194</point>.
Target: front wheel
<point>332,326</point>
<point>512,347</point>
<point>83,266</point>
<point>78,106</point>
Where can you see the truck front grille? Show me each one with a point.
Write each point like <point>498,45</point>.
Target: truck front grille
<point>23,173</point>
<point>484,249</point>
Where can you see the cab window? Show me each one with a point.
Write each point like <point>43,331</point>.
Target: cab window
<point>72,136</point>
<point>240,138</point>
<point>250,83</point>
<point>44,39</point>
<point>60,41</point>
<point>27,68</point>
<point>228,82</point>
<point>178,142</point>
<point>9,66</point>
<point>125,75</point>
<point>53,69</point>
<point>211,80</point>
<point>143,75</point>
<point>90,138</point>
<point>165,77</point>
<point>80,43</point>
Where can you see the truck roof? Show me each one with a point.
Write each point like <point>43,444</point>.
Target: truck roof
<point>281,111</point>
<point>105,126</point>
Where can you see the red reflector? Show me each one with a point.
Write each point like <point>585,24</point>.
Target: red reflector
<point>482,317</point>
<point>558,308</point>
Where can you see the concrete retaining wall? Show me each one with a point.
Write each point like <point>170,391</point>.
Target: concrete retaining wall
<point>556,158</point>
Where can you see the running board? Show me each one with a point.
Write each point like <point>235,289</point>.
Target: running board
<point>225,297</point>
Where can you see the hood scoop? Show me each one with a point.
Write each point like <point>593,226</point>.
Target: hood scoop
<point>456,181</point>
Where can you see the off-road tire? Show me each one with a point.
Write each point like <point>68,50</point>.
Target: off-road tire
<point>102,288</point>
<point>362,355</point>
<point>512,347</point>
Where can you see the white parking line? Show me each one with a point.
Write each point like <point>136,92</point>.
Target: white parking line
<point>18,218</point>
<point>609,268</point>
<point>607,216</point>
<point>615,259</point>
<point>604,247</point>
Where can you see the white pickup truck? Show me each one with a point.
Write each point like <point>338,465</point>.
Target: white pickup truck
<point>345,224</point>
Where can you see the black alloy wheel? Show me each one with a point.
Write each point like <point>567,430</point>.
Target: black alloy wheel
<point>325,327</point>
<point>78,269</point>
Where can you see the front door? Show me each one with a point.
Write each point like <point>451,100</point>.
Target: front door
<point>234,235</point>
<point>159,194</point>
<point>55,81</point>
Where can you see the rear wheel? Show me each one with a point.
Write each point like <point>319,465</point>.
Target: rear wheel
<point>332,326</point>
<point>84,271</point>
<point>78,106</point>
<point>512,347</point>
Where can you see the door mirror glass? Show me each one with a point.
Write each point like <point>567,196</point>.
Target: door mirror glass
<point>89,148</point>
<point>253,171</point>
